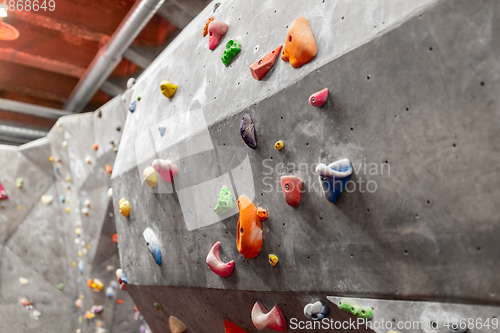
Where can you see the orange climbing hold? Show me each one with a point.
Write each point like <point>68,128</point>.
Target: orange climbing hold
<point>109,169</point>
<point>264,65</point>
<point>300,46</point>
<point>249,232</point>
<point>205,30</point>
<point>95,146</point>
<point>232,328</point>
<point>119,301</point>
<point>115,238</point>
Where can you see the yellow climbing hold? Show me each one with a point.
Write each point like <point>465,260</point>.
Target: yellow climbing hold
<point>168,88</point>
<point>273,259</point>
<point>80,253</point>
<point>68,179</point>
<point>88,246</point>
<point>73,263</point>
<point>124,207</point>
<point>68,210</point>
<point>150,176</point>
<point>279,145</point>
<point>19,207</point>
<point>78,231</point>
<point>51,158</point>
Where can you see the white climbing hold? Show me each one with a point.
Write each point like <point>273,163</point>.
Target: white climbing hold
<point>110,193</point>
<point>24,281</point>
<point>87,203</point>
<point>46,199</point>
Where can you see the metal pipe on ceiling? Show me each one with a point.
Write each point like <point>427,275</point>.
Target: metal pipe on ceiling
<point>111,54</point>
<point>19,134</point>
<point>31,109</point>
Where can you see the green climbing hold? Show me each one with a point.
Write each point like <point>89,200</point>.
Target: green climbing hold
<point>231,50</point>
<point>80,320</point>
<point>365,312</point>
<point>60,286</point>
<point>158,306</point>
<point>225,203</point>
<point>349,306</point>
<point>138,98</point>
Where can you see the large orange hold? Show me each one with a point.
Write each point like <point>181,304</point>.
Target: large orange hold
<point>300,46</point>
<point>249,233</point>
<point>232,328</point>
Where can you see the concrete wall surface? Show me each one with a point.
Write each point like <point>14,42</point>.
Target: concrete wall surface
<point>413,105</point>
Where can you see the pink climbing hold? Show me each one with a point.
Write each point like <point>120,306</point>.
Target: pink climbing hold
<point>319,98</point>
<point>3,194</point>
<point>215,263</point>
<point>166,169</point>
<point>216,29</point>
<point>273,319</point>
<point>264,65</point>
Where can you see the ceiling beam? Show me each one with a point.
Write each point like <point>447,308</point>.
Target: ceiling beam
<point>34,110</point>
<point>135,55</point>
<point>111,89</point>
<point>63,27</point>
<point>19,134</point>
<point>26,59</point>
<point>181,12</point>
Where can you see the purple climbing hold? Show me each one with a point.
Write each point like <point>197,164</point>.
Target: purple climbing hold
<point>247,131</point>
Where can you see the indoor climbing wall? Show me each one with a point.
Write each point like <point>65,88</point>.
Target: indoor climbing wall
<point>57,223</point>
<point>410,115</point>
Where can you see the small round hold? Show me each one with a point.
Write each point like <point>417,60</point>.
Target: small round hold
<point>279,145</point>
<point>87,203</point>
<point>95,146</point>
<point>65,143</point>
<point>130,82</point>
<point>88,160</point>
<point>132,106</point>
<point>138,98</point>
<point>273,259</point>
<point>158,306</point>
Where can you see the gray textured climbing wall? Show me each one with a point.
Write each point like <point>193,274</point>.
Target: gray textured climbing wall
<point>45,243</point>
<point>413,105</point>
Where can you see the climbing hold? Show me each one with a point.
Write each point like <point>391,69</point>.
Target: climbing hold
<point>176,326</point>
<point>150,176</point>
<point>216,29</point>
<point>60,286</point>
<point>138,98</point>
<point>78,303</point>
<point>249,231</point>
<point>273,260</point>
<point>217,4</point>
<point>348,305</point>
<point>334,177</point>
<point>68,210</point>
<point>109,169</point>
<point>205,29</point>
<point>365,312</point>
<point>51,159</point>
<point>232,328</point>
<point>166,169</point>
<point>162,129</point>
<point>300,46</point>
<point>3,193</point>
<point>88,315</point>
<point>319,98</point>
<point>99,114</point>
<point>46,199</point>
<point>247,131</point>
<point>36,314</point>
<point>118,128</point>
<point>153,244</point>
<point>68,179</point>
<point>95,284</point>
<point>273,319</point>
<point>24,281</point>
<point>292,189</point>
<point>316,311</point>
<point>95,146</point>
<point>130,82</point>
<point>110,193</point>
<point>25,301</point>
<point>132,106</point>
<point>231,50</point>
<point>19,182</point>
<point>260,68</point>
<point>63,199</point>
<point>80,267</point>
<point>88,160</point>
<point>85,211</point>
<point>95,309</point>
<point>168,88</point>
<point>158,306</point>
<point>279,145</point>
<point>124,207</point>
<point>225,203</point>
<point>87,203</point>
<point>64,143</point>
<point>110,292</point>
<point>57,171</point>
<point>114,238</point>
<point>119,301</point>
<point>215,263</point>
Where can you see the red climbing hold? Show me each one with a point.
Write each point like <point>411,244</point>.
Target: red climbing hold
<point>264,65</point>
<point>232,328</point>
<point>3,194</point>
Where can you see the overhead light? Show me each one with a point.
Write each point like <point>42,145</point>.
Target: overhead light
<point>3,10</point>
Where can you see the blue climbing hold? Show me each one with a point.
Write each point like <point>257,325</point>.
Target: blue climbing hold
<point>153,245</point>
<point>124,279</point>
<point>316,311</point>
<point>334,178</point>
<point>80,267</point>
<point>63,199</point>
<point>58,171</point>
<point>162,130</point>
<point>132,106</point>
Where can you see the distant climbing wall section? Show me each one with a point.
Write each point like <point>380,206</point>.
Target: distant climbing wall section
<point>280,158</point>
<point>58,257</point>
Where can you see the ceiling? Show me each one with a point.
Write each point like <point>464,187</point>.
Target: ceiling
<point>45,63</point>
